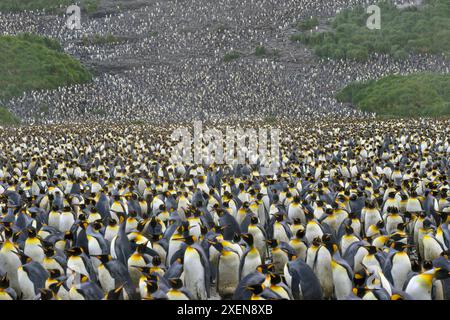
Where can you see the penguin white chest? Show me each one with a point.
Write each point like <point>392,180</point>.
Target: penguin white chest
<point>228,273</point>
<point>26,285</point>
<point>194,273</point>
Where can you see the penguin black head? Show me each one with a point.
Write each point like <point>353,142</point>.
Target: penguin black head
<point>359,278</point>
<point>49,251</point>
<point>114,294</point>
<point>348,229</point>
<point>371,249</point>
<point>31,232</point>
<point>399,246</point>
<point>104,258</point>
<point>441,273</point>
<point>361,291</point>
<point>176,283</point>
<point>275,278</point>
<point>4,282</point>
<point>427,265</point>
<point>256,288</point>
<point>248,238</point>
<point>300,234</point>
<point>273,243</point>
<point>156,261</point>
<point>279,217</point>
<point>254,220</point>
<point>317,241</point>
<point>97,224</point>
<point>54,273</point>
<point>265,268</point>
<point>46,294</point>
<point>74,251</point>
<point>152,286</point>
<point>189,240</point>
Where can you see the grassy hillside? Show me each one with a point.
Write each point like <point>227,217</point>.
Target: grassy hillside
<point>32,62</point>
<point>425,30</point>
<point>423,94</point>
<point>19,5</point>
<point>6,117</point>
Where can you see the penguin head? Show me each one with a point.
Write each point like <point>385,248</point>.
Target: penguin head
<point>300,233</point>
<point>279,217</point>
<point>256,288</point>
<point>114,294</point>
<point>104,258</point>
<point>371,249</point>
<point>399,246</point>
<point>46,294</point>
<point>54,273</point>
<point>74,251</point>
<point>31,233</point>
<point>152,286</point>
<point>359,278</point>
<point>254,220</point>
<point>441,273</point>
<point>4,282</point>
<point>275,278</point>
<point>176,283</point>
<point>317,241</point>
<point>273,243</point>
<point>248,238</point>
<point>361,291</point>
<point>49,251</point>
<point>348,229</point>
<point>265,268</point>
<point>156,261</point>
<point>189,240</point>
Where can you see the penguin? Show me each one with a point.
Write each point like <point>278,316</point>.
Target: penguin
<point>398,265</point>
<point>177,291</point>
<point>299,245</point>
<point>31,276</point>
<point>33,246</point>
<point>251,258</point>
<point>196,269</point>
<point>228,270</point>
<point>79,262</point>
<point>342,278</point>
<point>112,274</point>
<point>302,280</point>
<point>259,236</point>
<point>419,287</point>
<point>53,260</point>
<point>6,292</point>
<point>9,260</point>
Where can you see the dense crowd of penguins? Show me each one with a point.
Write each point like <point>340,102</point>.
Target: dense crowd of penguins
<point>357,210</point>
<point>168,64</point>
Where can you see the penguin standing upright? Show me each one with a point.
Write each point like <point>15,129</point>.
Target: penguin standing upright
<point>227,278</point>
<point>251,258</point>
<point>196,269</point>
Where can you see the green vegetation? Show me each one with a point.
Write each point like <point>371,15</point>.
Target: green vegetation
<point>231,56</point>
<point>308,24</point>
<point>6,117</point>
<point>98,39</point>
<point>422,94</point>
<point>260,51</point>
<point>20,5</point>
<point>31,62</point>
<point>403,31</point>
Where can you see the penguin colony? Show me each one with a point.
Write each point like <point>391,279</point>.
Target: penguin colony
<point>358,210</point>
<point>168,63</point>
